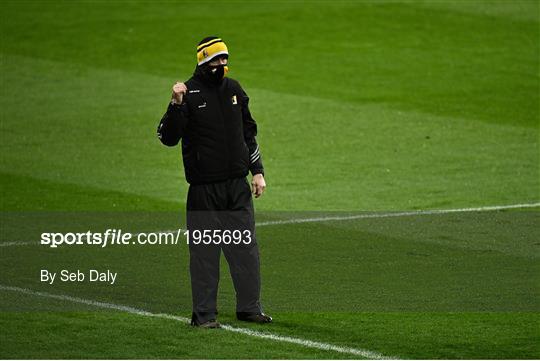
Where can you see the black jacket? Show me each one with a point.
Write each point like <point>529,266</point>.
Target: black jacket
<point>217,131</point>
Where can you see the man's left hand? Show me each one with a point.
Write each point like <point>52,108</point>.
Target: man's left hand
<point>258,185</point>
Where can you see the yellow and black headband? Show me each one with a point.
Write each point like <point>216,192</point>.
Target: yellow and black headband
<point>210,49</point>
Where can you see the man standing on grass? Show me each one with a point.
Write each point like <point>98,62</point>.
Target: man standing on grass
<point>210,114</point>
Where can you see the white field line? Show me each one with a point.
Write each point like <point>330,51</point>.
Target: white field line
<point>245,331</point>
<point>345,218</point>
<point>397,214</point>
<point>389,215</point>
<point>19,243</point>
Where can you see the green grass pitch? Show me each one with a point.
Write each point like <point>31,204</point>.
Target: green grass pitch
<point>362,106</point>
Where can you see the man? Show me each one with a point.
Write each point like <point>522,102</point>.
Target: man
<point>210,114</point>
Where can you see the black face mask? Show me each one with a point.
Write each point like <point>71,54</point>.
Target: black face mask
<point>217,72</point>
<point>212,74</point>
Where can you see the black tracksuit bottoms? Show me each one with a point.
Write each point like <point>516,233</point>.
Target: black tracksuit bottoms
<point>222,206</point>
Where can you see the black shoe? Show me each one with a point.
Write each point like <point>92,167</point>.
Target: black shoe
<point>253,317</point>
<point>207,324</point>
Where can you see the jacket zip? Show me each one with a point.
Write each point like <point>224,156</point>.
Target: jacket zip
<point>222,115</point>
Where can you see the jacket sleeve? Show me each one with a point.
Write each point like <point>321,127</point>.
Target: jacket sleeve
<point>250,133</point>
<point>173,124</point>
